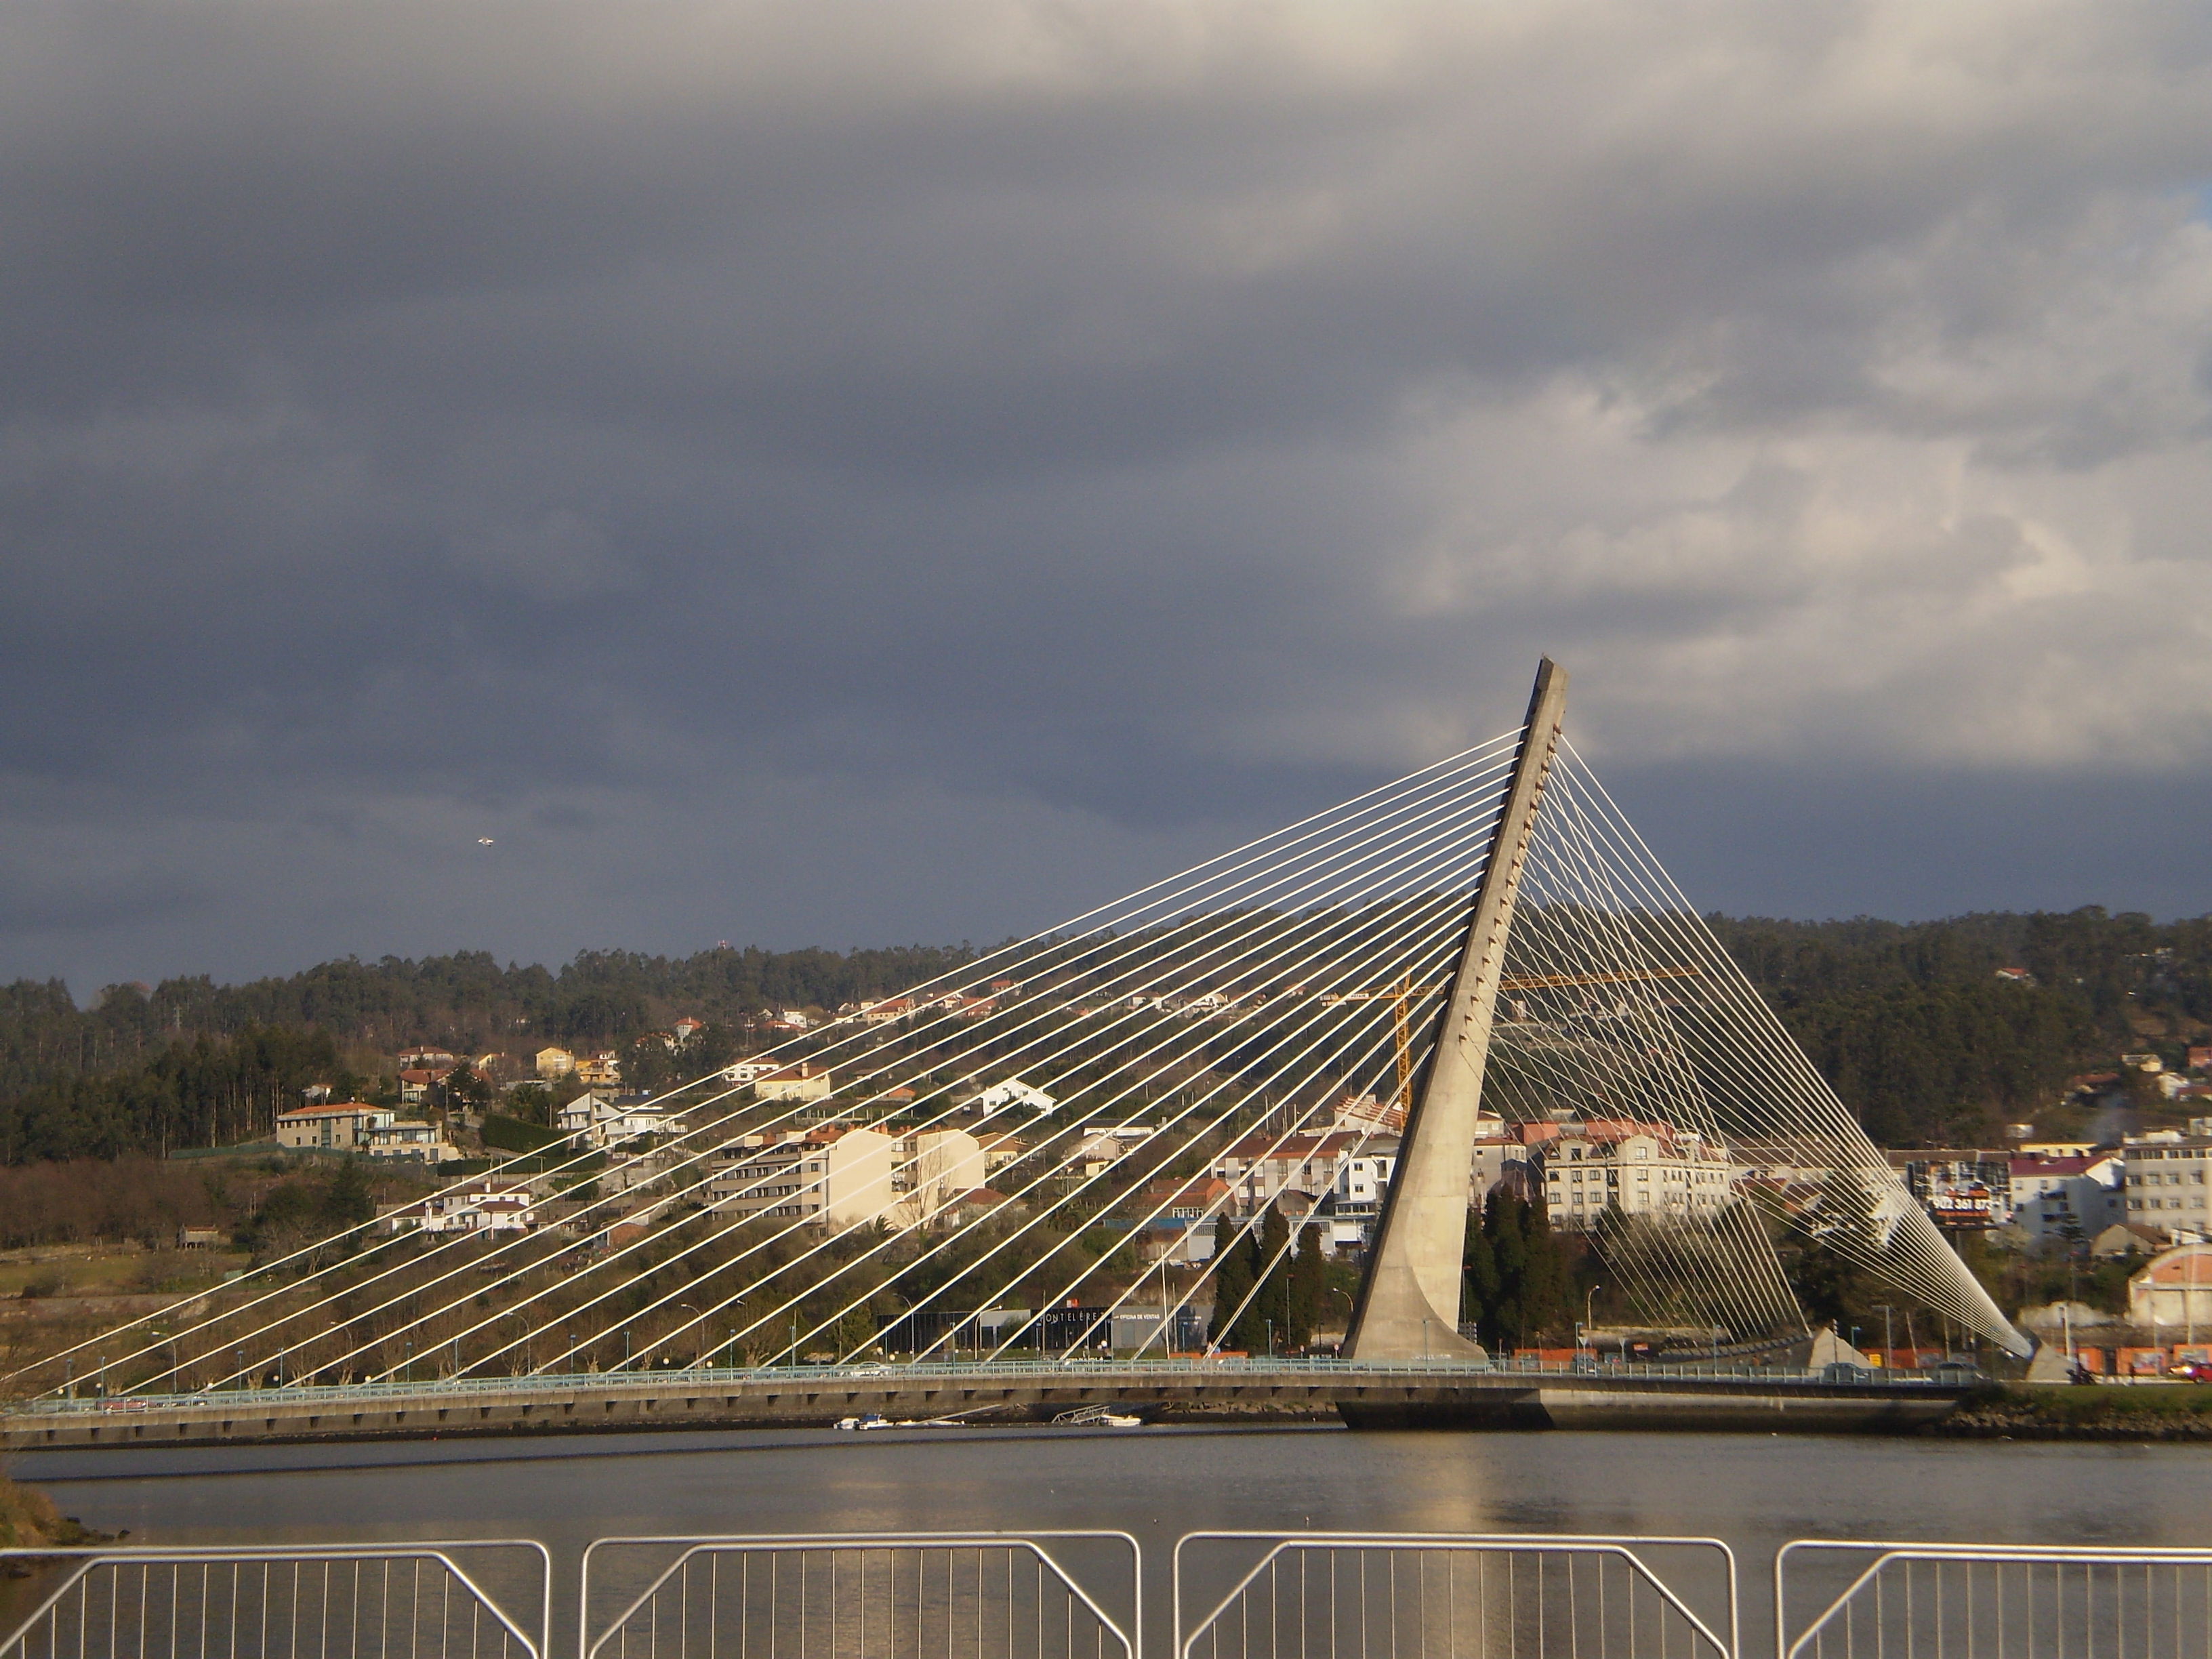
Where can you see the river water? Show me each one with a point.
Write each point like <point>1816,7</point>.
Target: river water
<point>1754,1491</point>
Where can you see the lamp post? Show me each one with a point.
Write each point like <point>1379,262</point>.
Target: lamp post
<point>1888,1336</point>
<point>698,1319</point>
<point>1589,1318</point>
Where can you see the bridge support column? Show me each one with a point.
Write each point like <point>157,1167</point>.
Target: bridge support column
<point>1409,1300</point>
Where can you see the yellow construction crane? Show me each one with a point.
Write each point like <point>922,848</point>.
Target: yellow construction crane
<point>1404,991</point>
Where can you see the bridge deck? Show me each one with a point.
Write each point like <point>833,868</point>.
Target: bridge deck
<point>1398,1394</point>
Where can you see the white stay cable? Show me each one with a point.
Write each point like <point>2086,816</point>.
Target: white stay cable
<point>1919,1261</point>
<point>1319,956</point>
<point>1450,832</point>
<point>1416,811</point>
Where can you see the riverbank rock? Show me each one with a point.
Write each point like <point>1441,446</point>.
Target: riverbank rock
<point>2083,1413</point>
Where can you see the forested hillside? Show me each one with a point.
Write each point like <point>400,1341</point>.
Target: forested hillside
<point>195,1063</point>
<point>1911,1021</point>
<point>1924,1039</point>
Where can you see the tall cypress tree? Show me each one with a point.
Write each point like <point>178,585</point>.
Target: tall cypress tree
<point>1479,1271</point>
<point>1270,1256</point>
<point>1308,1289</point>
<point>1544,1277</point>
<point>1232,1278</point>
<point>1504,1226</point>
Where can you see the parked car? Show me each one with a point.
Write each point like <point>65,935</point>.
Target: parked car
<point>2189,1370</point>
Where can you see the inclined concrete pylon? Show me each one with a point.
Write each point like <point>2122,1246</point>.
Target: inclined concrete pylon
<point>1409,1298</point>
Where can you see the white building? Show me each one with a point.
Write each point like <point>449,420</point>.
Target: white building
<point>2165,1186</point>
<point>834,1174</point>
<point>847,1175</point>
<point>2075,1197</point>
<point>486,1207</point>
<point>805,1081</point>
<point>1260,1166</point>
<point>344,1127</point>
<point>1361,1182</point>
<point>1015,1092</point>
<point>601,1121</point>
<point>932,1171</point>
<point>1663,1174</point>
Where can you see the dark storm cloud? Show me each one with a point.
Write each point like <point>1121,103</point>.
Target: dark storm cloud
<point>849,472</point>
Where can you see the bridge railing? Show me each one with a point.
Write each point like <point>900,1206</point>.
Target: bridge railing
<point>893,1595</point>
<point>706,1379</point>
<point>1264,1595</point>
<point>479,1599</point>
<point>1839,1599</point>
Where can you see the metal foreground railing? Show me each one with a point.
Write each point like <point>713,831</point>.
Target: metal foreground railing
<point>906,1596</point>
<point>1453,1597</point>
<point>1843,1599</point>
<point>335,1602</point>
<point>1080,1595</point>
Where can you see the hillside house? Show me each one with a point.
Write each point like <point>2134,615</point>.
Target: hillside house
<point>477,1207</point>
<point>344,1127</point>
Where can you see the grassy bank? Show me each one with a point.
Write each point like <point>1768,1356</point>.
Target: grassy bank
<point>28,1518</point>
<point>2155,1412</point>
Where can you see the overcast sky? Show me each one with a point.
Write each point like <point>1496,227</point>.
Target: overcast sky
<point>846,473</point>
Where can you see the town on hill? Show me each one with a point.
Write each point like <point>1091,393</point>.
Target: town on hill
<point>2041,1079</point>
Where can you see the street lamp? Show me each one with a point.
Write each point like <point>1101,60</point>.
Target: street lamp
<point>1589,1299</point>
<point>1888,1336</point>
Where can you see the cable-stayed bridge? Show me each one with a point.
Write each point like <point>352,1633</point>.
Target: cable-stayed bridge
<point>1008,1167</point>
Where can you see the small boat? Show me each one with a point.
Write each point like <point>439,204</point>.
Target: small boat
<point>1096,1417</point>
<point>868,1420</point>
